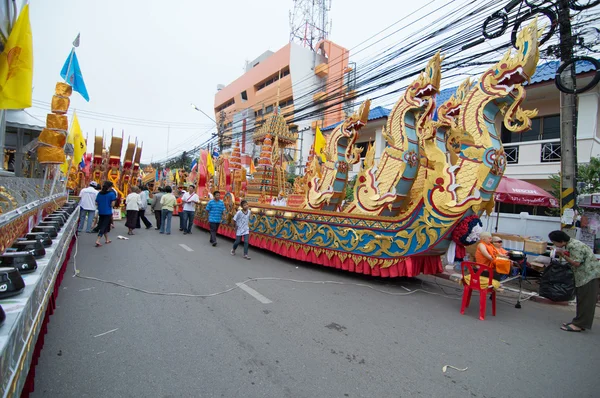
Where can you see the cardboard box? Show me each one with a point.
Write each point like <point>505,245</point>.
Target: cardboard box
<point>535,247</point>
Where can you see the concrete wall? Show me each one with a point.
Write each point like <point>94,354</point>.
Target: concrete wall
<point>304,81</point>
<point>521,224</point>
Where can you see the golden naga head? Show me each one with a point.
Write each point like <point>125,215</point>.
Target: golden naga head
<point>358,119</point>
<point>449,110</point>
<point>428,82</point>
<point>519,66</point>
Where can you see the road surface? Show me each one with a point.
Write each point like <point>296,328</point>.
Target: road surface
<point>278,338</point>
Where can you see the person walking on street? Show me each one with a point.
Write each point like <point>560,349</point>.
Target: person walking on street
<point>215,209</point>
<point>168,203</point>
<point>133,202</point>
<point>144,196</point>
<point>87,204</point>
<point>157,207</point>
<point>242,229</point>
<point>190,199</point>
<point>105,200</point>
<point>586,269</point>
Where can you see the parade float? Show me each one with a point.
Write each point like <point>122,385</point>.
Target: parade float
<point>434,175</point>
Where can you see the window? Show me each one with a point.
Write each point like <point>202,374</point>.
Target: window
<point>512,154</point>
<point>550,152</point>
<point>272,79</point>
<point>287,102</point>
<point>542,128</point>
<point>258,113</point>
<point>268,109</point>
<point>225,105</point>
<point>244,96</point>
<point>363,148</point>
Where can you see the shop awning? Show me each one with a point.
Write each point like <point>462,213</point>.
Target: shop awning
<point>22,119</point>
<point>511,190</point>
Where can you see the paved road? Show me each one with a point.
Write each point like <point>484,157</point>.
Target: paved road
<point>311,340</point>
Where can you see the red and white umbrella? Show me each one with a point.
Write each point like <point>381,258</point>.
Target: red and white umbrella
<point>511,190</point>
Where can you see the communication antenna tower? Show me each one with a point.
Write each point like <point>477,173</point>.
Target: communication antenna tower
<point>309,22</point>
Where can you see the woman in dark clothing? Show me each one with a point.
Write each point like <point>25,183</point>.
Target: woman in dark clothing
<point>132,203</point>
<point>105,200</point>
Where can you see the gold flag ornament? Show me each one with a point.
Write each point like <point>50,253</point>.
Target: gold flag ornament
<point>320,143</point>
<point>78,140</point>
<point>16,65</point>
<point>210,166</point>
<point>252,168</point>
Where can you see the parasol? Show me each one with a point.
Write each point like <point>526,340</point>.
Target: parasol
<point>511,190</point>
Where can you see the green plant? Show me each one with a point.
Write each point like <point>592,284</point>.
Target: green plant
<point>350,190</point>
<point>588,181</point>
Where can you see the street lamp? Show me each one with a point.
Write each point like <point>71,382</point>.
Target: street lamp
<point>201,111</point>
<point>204,113</point>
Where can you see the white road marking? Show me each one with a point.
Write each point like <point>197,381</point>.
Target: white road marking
<point>254,293</point>
<point>186,247</point>
<point>110,331</point>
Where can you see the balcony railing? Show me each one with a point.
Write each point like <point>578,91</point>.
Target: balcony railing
<point>550,152</point>
<point>512,154</point>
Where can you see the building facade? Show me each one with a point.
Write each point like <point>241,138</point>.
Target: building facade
<point>303,85</point>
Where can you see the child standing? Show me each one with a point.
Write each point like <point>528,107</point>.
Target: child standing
<point>242,229</point>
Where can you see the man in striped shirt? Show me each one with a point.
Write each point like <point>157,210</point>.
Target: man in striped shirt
<point>215,209</point>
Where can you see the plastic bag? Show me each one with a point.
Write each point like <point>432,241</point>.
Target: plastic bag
<point>557,282</point>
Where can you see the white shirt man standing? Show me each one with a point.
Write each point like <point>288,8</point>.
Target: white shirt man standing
<point>189,199</point>
<point>87,204</point>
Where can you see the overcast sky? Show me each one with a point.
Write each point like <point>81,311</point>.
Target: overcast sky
<point>149,59</point>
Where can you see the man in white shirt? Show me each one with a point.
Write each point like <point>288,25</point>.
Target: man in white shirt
<point>189,199</point>
<point>87,204</point>
<point>144,195</point>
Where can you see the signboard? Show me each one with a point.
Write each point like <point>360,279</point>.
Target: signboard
<point>568,216</point>
<point>116,214</point>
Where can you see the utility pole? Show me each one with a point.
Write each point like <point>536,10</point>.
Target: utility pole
<point>568,116</point>
<point>221,130</point>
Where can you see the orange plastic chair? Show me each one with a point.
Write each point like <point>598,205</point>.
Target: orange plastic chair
<point>474,281</point>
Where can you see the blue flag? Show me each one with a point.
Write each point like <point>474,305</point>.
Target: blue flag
<point>82,163</point>
<point>215,153</point>
<point>75,78</point>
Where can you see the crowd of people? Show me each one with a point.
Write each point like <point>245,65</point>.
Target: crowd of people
<point>97,204</point>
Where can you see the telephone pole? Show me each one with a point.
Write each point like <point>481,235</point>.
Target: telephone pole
<point>568,116</point>
<point>221,130</point>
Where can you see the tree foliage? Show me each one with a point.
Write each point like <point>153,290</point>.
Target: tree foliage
<point>588,181</point>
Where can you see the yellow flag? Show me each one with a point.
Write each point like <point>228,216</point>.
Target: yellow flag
<point>76,139</point>
<point>252,168</point>
<point>210,166</point>
<point>16,65</point>
<point>320,143</point>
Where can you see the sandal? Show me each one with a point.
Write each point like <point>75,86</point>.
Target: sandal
<point>569,328</point>
<point>567,324</point>
<point>247,257</point>
<point>108,242</point>
<point>98,245</point>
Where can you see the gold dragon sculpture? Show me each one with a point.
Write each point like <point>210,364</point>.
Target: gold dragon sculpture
<point>385,186</point>
<point>327,191</point>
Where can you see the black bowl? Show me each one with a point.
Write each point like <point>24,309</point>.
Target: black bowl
<point>57,219</point>
<point>23,261</point>
<point>54,224</point>
<point>11,282</point>
<point>49,229</point>
<point>34,246</point>
<point>43,236</point>
<point>516,255</point>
